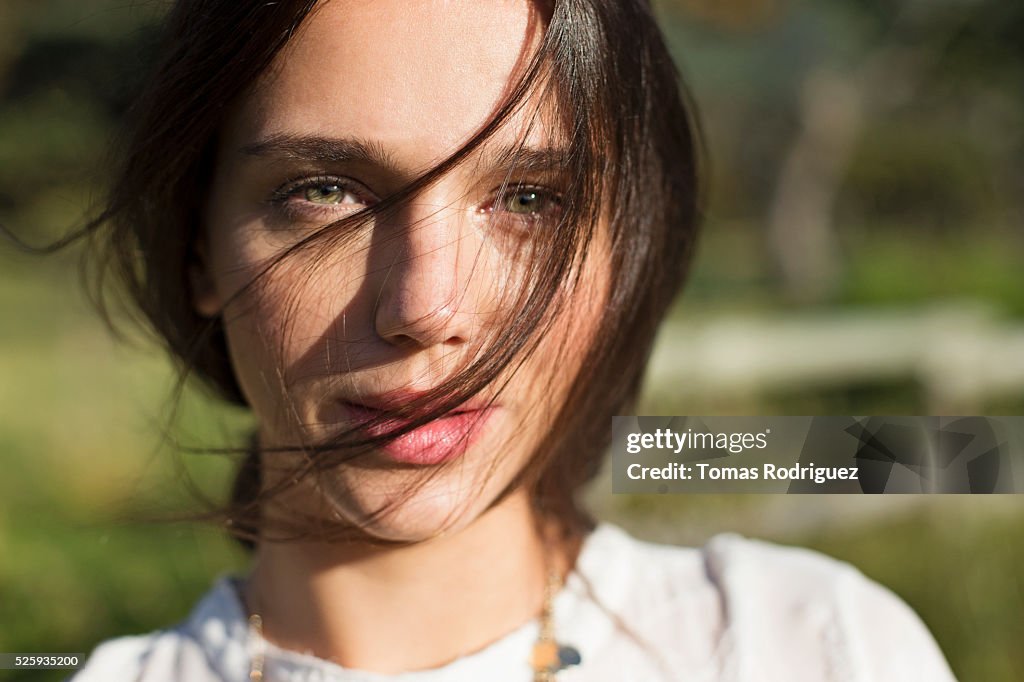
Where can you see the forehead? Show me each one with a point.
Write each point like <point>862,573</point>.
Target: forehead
<point>417,77</point>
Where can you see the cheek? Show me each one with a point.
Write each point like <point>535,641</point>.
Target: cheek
<point>588,301</point>
<point>561,351</point>
<point>278,318</point>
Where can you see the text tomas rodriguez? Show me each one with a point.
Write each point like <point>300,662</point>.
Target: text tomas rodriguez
<point>703,471</point>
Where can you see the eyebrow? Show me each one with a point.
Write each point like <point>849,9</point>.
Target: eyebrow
<point>352,150</point>
<point>522,157</point>
<point>318,148</point>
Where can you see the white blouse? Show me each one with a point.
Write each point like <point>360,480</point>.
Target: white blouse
<point>736,610</point>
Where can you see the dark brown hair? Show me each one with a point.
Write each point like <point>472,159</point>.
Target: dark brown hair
<point>632,161</point>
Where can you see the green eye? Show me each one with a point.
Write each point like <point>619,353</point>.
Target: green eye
<point>528,201</point>
<point>329,194</point>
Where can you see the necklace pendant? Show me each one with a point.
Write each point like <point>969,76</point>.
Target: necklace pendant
<point>567,656</point>
<point>549,657</point>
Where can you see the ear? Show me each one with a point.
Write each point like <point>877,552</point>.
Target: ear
<point>205,300</point>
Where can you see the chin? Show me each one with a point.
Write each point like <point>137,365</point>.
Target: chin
<point>415,511</point>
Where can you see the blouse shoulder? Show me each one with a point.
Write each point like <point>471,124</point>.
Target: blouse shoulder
<point>770,610</point>
<point>143,658</point>
<point>205,647</point>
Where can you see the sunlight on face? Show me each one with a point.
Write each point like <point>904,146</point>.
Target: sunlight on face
<point>368,95</point>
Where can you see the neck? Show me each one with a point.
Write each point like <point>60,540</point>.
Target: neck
<point>397,609</point>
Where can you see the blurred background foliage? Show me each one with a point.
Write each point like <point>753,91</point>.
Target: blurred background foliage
<point>863,240</point>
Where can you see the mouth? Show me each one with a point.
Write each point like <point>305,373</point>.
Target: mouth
<point>442,440</point>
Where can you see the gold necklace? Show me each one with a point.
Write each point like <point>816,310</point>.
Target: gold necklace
<point>546,659</point>
<point>548,656</point>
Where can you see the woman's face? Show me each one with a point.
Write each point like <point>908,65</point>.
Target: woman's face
<point>365,97</point>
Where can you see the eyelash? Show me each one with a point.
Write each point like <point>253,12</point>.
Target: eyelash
<point>289,193</point>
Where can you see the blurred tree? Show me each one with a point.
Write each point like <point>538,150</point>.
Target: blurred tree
<point>64,83</point>
<point>736,15</point>
<point>860,67</point>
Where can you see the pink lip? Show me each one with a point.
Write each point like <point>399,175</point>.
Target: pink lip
<point>439,441</point>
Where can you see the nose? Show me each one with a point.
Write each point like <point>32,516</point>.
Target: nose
<point>428,292</point>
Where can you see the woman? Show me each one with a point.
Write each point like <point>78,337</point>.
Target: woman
<point>428,244</point>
